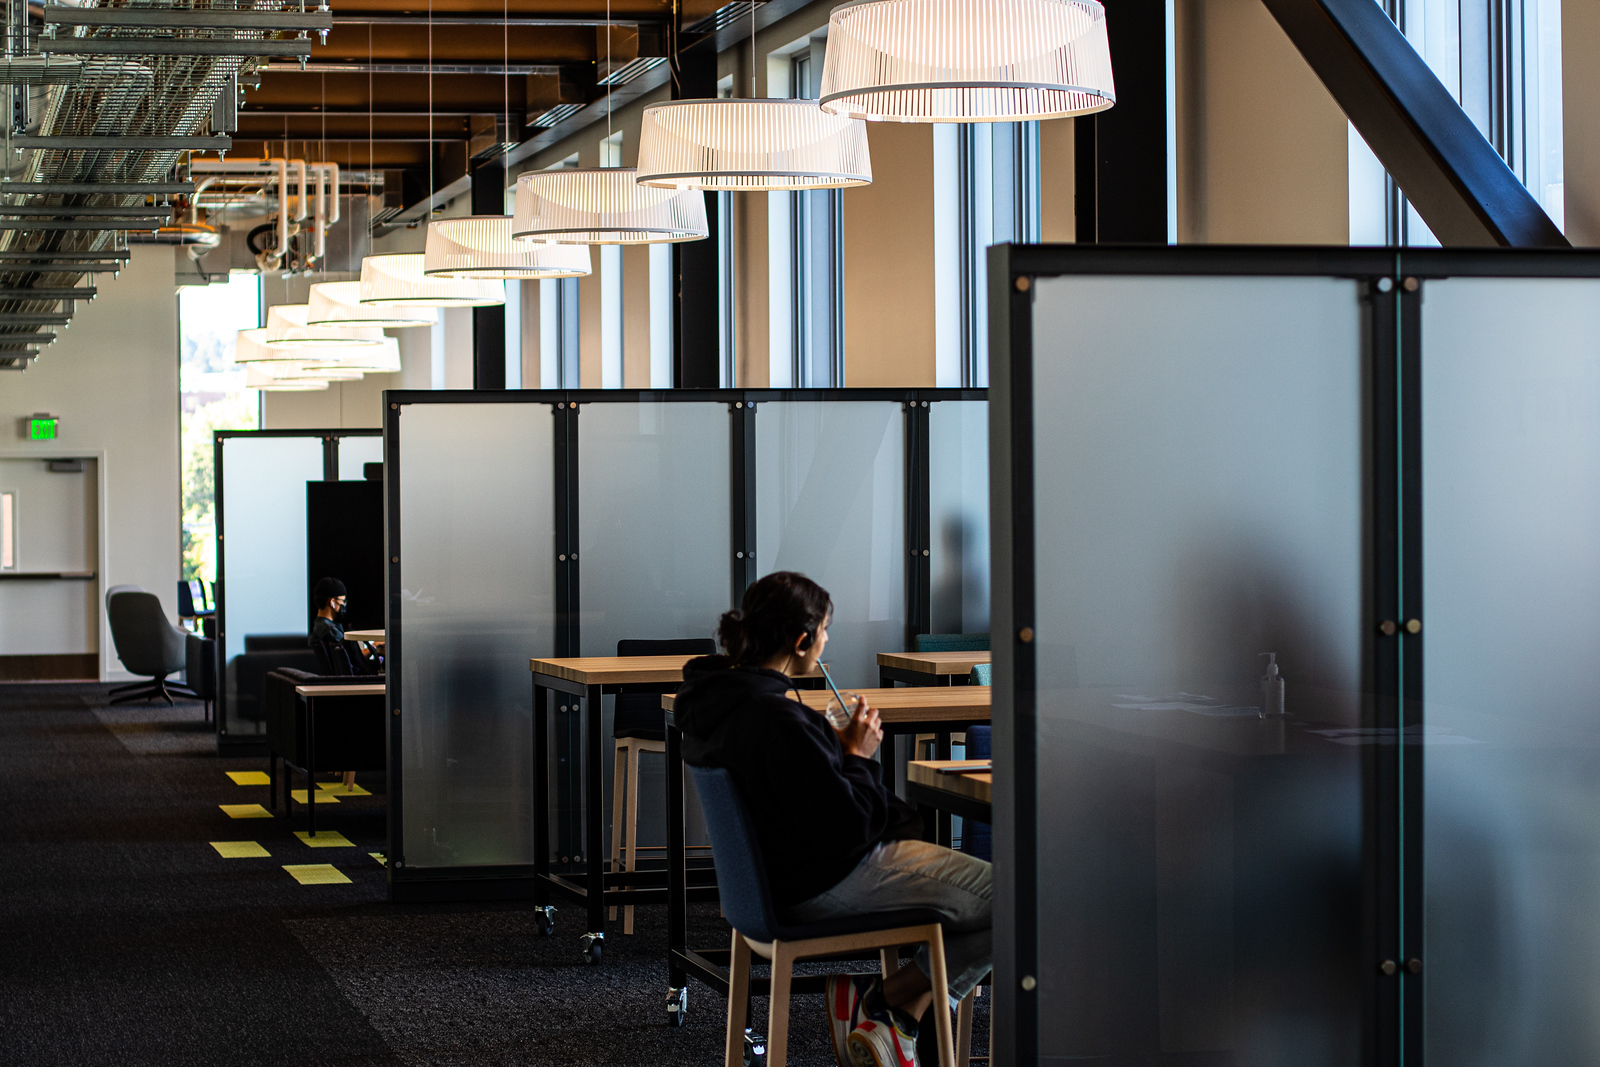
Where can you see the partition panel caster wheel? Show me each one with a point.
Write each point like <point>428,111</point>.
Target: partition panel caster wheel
<point>755,1049</point>
<point>545,916</point>
<point>678,1006</point>
<point>593,945</point>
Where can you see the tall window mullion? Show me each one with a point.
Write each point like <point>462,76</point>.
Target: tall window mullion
<point>817,265</point>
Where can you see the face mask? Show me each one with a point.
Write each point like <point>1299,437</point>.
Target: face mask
<point>339,613</point>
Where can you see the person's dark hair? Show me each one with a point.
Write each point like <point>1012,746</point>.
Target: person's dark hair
<point>776,610</point>
<point>325,590</point>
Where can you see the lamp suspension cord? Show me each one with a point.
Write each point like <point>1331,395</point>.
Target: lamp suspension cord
<point>609,88</point>
<point>505,78</point>
<point>371,229</point>
<point>427,211</point>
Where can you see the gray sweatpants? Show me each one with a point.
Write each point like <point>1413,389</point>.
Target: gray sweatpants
<point>916,874</point>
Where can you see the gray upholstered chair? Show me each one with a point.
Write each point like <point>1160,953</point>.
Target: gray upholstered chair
<point>147,644</point>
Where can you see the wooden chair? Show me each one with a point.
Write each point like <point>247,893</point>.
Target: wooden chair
<point>638,728</point>
<point>747,903</point>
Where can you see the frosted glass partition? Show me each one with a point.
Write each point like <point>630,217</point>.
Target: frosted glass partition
<point>1198,495</point>
<point>477,600</point>
<point>958,492</point>
<point>265,590</point>
<point>830,503</point>
<point>355,453</point>
<point>653,521</point>
<point>1511,554</point>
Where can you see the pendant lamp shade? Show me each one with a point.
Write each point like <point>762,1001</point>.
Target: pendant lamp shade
<point>481,246</point>
<point>751,145</point>
<point>379,359</point>
<point>257,378</point>
<point>251,347</point>
<point>397,281</point>
<point>339,304</point>
<point>604,206</point>
<point>967,60</point>
<point>287,327</point>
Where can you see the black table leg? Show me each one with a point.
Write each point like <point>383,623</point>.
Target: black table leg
<point>677,869</point>
<point>594,815</point>
<point>311,766</point>
<point>541,793</point>
<point>941,750</point>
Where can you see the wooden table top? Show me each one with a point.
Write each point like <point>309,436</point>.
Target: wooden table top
<point>375,636</point>
<point>940,663</point>
<point>959,703</point>
<point>361,690</point>
<point>975,786</point>
<point>617,670</point>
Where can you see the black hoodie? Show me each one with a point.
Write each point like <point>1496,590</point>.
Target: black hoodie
<point>817,810</point>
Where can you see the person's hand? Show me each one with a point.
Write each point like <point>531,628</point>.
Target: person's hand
<point>863,734</point>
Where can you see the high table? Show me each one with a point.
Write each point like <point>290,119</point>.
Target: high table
<point>927,668</point>
<point>586,679</point>
<point>949,786</point>
<point>901,710</point>
<point>371,637</point>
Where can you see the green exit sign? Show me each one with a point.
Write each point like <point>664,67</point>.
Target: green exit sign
<point>43,428</point>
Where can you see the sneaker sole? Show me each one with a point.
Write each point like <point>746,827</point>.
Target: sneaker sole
<point>862,1054</point>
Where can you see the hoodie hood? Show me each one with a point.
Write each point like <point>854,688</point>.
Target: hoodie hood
<point>713,689</point>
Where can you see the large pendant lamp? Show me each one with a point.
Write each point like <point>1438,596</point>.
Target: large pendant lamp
<point>379,359</point>
<point>604,206</point>
<point>287,328</point>
<point>481,246</point>
<point>256,377</point>
<point>339,304</point>
<point>967,60</point>
<point>252,347</point>
<point>751,145</point>
<point>397,280</point>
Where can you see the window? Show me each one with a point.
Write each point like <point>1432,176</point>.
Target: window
<point>1501,60</point>
<point>986,192</point>
<point>727,272</point>
<point>816,249</point>
<point>214,397</point>
<point>559,324</point>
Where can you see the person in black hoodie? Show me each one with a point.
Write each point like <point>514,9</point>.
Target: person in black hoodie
<point>834,840</point>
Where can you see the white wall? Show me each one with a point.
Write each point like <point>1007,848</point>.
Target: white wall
<point>112,377</point>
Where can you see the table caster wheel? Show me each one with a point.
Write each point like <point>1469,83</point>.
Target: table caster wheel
<point>593,944</point>
<point>678,1006</point>
<point>545,916</point>
<point>755,1049</point>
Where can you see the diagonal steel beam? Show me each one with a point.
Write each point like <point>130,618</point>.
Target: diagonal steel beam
<point>1459,184</point>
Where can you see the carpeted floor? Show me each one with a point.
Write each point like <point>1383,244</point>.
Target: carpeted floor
<point>125,938</point>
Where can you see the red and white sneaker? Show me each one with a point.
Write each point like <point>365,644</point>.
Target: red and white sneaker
<point>880,1043</point>
<point>844,993</point>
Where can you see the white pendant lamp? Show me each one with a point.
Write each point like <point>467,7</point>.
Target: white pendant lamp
<point>751,145</point>
<point>380,359</point>
<point>339,304</point>
<point>287,328</point>
<point>967,60</point>
<point>257,378</point>
<point>251,347</point>
<point>397,281</point>
<point>481,246</point>
<point>604,206</point>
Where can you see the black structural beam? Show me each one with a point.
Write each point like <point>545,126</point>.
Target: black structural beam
<point>1121,154</point>
<point>489,323</point>
<point>697,360</point>
<point>1461,187</point>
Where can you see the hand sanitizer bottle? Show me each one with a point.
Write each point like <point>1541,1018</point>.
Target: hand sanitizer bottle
<point>1271,688</point>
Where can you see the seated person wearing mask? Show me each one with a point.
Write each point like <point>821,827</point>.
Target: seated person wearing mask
<point>327,636</point>
<point>834,840</point>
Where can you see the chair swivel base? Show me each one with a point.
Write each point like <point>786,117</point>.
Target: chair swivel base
<point>150,690</point>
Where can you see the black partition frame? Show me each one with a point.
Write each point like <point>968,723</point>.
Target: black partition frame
<point>255,743</point>
<point>743,406</point>
<point>1394,283</point>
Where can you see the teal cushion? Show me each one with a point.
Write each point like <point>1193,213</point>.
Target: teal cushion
<point>982,673</point>
<point>952,642</point>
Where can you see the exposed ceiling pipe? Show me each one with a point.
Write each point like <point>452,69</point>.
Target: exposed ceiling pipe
<point>278,168</point>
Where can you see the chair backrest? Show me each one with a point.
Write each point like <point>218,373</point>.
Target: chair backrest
<point>332,658</point>
<point>186,605</point>
<point>952,643</point>
<point>146,642</point>
<point>741,872</point>
<point>114,590</point>
<point>983,674</point>
<point>638,708</point>
<point>978,742</point>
